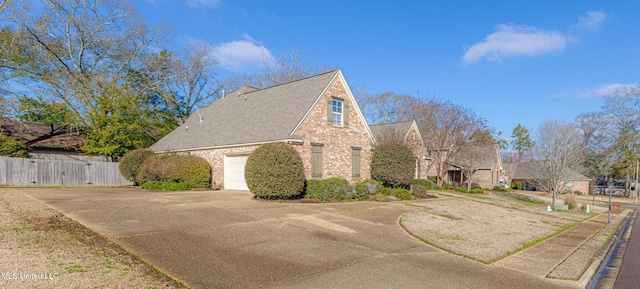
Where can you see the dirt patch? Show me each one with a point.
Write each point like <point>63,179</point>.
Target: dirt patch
<point>45,249</point>
<point>488,228</point>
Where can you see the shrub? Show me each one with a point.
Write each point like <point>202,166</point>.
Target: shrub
<point>367,188</point>
<point>503,189</point>
<point>131,163</point>
<point>402,194</point>
<point>393,164</point>
<point>165,186</point>
<point>275,171</point>
<point>427,184</point>
<point>519,186</point>
<point>386,192</point>
<point>461,189</point>
<point>12,148</point>
<point>447,185</point>
<point>571,201</point>
<point>333,188</point>
<point>433,179</point>
<point>477,191</point>
<point>419,191</point>
<point>513,186</point>
<point>192,170</point>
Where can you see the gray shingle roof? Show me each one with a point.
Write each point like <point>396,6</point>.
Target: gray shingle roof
<point>478,156</point>
<point>379,129</point>
<point>249,115</point>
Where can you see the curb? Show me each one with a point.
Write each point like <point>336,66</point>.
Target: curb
<point>587,277</point>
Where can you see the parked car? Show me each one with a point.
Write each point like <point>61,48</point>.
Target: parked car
<point>503,184</point>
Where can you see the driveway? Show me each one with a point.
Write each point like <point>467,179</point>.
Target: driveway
<point>224,239</point>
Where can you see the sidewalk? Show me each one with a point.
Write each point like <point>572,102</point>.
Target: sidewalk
<point>570,255</point>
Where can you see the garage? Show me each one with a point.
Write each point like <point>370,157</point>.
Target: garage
<point>234,172</point>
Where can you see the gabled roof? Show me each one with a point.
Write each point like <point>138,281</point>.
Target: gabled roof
<point>481,156</point>
<point>37,135</point>
<point>403,127</point>
<point>250,116</point>
<point>525,171</point>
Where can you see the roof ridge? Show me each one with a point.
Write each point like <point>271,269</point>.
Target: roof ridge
<point>397,122</point>
<point>292,81</point>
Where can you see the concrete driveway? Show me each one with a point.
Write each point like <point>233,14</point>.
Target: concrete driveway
<point>224,239</point>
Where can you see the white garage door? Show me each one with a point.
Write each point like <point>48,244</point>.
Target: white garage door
<point>234,173</point>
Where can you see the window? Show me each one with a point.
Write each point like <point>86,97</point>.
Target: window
<point>336,108</point>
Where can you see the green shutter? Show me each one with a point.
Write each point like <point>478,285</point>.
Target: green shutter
<point>355,164</point>
<point>345,114</point>
<point>316,162</point>
<point>330,111</point>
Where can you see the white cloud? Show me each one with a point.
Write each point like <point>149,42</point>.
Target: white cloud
<point>242,55</point>
<point>510,41</point>
<point>603,90</point>
<point>591,20</point>
<point>203,3</point>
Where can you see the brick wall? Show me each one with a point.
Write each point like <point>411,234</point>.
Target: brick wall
<point>216,159</point>
<point>337,141</point>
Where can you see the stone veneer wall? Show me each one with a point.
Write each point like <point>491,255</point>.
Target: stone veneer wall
<point>337,141</point>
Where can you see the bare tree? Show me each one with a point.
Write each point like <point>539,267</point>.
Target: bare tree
<point>445,129</point>
<point>621,111</point>
<point>558,149</point>
<point>84,50</point>
<point>286,67</point>
<point>383,107</point>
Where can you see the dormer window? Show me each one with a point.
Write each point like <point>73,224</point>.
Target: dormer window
<point>336,108</point>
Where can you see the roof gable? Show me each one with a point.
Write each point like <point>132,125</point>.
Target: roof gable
<point>249,116</point>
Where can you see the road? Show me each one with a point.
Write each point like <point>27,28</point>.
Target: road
<point>620,270</point>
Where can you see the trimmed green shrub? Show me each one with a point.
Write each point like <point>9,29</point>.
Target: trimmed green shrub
<point>165,186</point>
<point>131,162</point>
<point>513,186</point>
<point>194,171</point>
<point>12,148</point>
<point>502,189</point>
<point>477,191</point>
<point>461,189</point>
<point>419,191</point>
<point>447,185</point>
<point>402,194</point>
<point>427,184</point>
<point>519,186</point>
<point>275,171</point>
<point>393,164</point>
<point>433,179</point>
<point>329,189</point>
<point>385,191</point>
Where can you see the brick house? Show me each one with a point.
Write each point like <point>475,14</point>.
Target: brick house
<point>316,115</point>
<point>407,131</point>
<point>482,161</point>
<point>525,173</point>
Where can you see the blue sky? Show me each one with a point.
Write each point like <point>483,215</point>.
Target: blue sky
<point>510,62</point>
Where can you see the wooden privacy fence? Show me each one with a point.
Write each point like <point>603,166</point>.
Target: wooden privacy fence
<point>31,172</point>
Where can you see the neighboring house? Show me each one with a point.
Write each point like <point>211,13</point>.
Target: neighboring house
<point>317,115</point>
<point>47,141</point>
<point>481,164</point>
<point>524,172</point>
<point>408,131</point>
